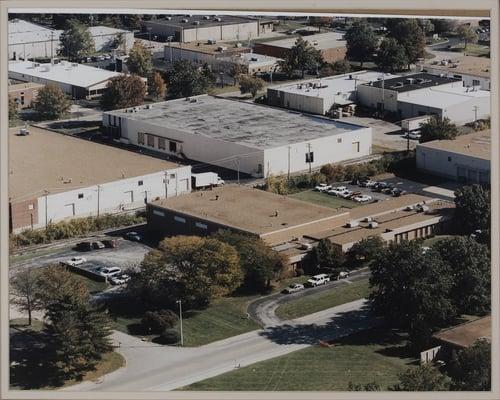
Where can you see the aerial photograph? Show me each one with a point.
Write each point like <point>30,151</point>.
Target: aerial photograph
<point>220,201</point>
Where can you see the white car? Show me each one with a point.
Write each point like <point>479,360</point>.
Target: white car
<point>109,271</point>
<point>345,194</point>
<point>294,287</point>
<point>414,135</point>
<point>340,188</point>
<point>343,275</point>
<point>363,198</point>
<point>333,192</point>
<point>317,280</point>
<point>74,261</point>
<point>119,279</point>
<point>322,187</point>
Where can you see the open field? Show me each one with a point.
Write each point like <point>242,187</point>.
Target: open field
<point>473,49</point>
<point>324,200</point>
<point>321,301</point>
<point>373,355</point>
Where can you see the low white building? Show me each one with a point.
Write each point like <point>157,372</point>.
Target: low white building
<point>426,94</point>
<point>321,95</point>
<point>465,159</point>
<point>55,177</point>
<point>250,63</point>
<point>104,38</point>
<point>77,80</point>
<point>247,137</point>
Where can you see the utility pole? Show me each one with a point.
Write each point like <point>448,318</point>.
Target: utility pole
<point>98,199</point>
<point>475,108</point>
<point>46,192</point>
<point>165,180</point>
<point>288,162</point>
<point>180,320</point>
<point>238,168</point>
<point>170,47</point>
<point>309,156</point>
<point>383,92</point>
<point>52,46</point>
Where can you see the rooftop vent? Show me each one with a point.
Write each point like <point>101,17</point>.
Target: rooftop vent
<point>238,44</point>
<point>254,59</point>
<point>206,17</point>
<point>409,81</point>
<point>373,224</point>
<point>211,41</point>
<point>218,19</point>
<point>222,48</point>
<point>398,84</point>
<point>352,224</point>
<point>149,106</point>
<point>184,20</point>
<point>367,219</point>
<point>168,18</point>
<point>74,64</point>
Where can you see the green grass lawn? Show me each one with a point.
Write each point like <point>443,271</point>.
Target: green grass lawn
<point>373,355</point>
<point>473,49</point>
<point>321,301</point>
<point>323,199</point>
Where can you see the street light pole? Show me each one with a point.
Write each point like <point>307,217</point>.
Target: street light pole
<point>170,47</point>
<point>180,319</point>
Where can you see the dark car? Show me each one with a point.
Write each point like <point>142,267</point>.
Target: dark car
<point>380,186</point>
<point>98,245</point>
<point>134,236</point>
<point>84,246</point>
<point>110,243</point>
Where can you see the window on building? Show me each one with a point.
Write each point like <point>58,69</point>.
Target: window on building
<point>161,143</point>
<point>80,195</point>
<point>475,82</point>
<point>339,140</point>
<point>159,213</point>
<point>140,183</point>
<point>140,138</point>
<point>172,146</point>
<point>151,141</point>
<point>31,206</point>
<point>180,219</point>
<point>22,98</point>
<point>172,176</point>
<point>310,157</point>
<point>449,159</point>
<point>201,226</point>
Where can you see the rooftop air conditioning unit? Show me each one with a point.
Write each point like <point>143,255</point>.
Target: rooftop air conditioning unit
<point>409,81</point>
<point>184,20</point>
<point>168,18</point>
<point>149,106</point>
<point>35,64</point>
<point>74,64</point>
<point>222,48</point>
<point>254,59</point>
<point>409,208</point>
<point>238,44</point>
<point>206,17</point>
<point>211,41</point>
<point>422,208</point>
<point>367,219</point>
<point>306,246</point>
<point>352,224</point>
<point>373,224</point>
<point>218,19</point>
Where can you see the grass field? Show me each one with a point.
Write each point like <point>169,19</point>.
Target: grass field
<point>324,200</point>
<point>473,49</point>
<point>373,355</point>
<point>321,301</point>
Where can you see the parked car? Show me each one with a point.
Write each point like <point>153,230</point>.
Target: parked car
<point>110,243</point>
<point>109,271</point>
<point>98,245</point>
<point>387,190</point>
<point>370,184</point>
<point>362,199</point>
<point>294,287</point>
<point>345,194</point>
<point>74,261</point>
<point>333,192</point>
<point>317,280</point>
<point>415,135</point>
<point>379,186</point>
<point>119,279</point>
<point>322,187</point>
<point>83,246</point>
<point>396,192</point>
<point>134,236</point>
<point>341,275</point>
<point>340,188</point>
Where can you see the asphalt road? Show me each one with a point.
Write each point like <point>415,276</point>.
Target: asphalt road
<point>152,367</point>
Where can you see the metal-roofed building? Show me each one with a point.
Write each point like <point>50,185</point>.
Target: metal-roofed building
<point>251,138</point>
<point>465,159</point>
<point>105,36</point>
<point>76,80</point>
<point>191,28</point>
<point>53,177</point>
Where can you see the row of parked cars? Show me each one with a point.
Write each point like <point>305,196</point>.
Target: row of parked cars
<point>314,281</point>
<point>100,57</point>
<point>342,191</point>
<point>114,275</point>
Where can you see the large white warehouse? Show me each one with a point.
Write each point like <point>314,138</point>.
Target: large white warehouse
<point>254,139</point>
<point>54,177</point>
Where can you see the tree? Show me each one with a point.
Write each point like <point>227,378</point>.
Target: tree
<point>438,129</point>
<point>119,42</point>
<point>424,378</point>
<point>426,25</point>
<point>123,91</point>
<point>408,34</point>
<point>473,208</point>
<point>366,249</point>
<point>51,102</point>
<point>302,56</point>
<point>187,79</point>
<point>470,369</point>
<point>158,321</point>
<point>156,86</point>
<point>13,109</point>
<point>191,268</point>
<point>361,42</point>
<point>470,264</point>
<point>442,26</point>
<point>260,264</point>
<point>76,41</point>
<point>328,256</point>
<point>412,289</point>
<point>25,290</point>
<point>336,68</point>
<point>250,84</point>
<point>367,387</point>
<point>466,33</point>
<point>140,60</point>
<point>391,55</point>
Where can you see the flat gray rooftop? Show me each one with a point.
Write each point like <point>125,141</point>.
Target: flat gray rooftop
<point>237,121</point>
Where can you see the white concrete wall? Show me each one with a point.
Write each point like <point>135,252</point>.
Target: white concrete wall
<point>484,82</point>
<point>369,96</point>
<point>124,194</point>
<point>41,49</point>
<point>184,54</point>
<point>326,150</point>
<point>105,42</point>
<point>443,163</point>
<point>243,31</point>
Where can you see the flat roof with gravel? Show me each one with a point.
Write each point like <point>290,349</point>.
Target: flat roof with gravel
<point>477,144</point>
<point>466,334</point>
<point>237,121</point>
<point>46,160</point>
<point>192,21</point>
<point>471,65</point>
<point>321,41</point>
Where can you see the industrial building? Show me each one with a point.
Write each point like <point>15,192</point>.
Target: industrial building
<point>473,71</point>
<point>24,93</point>
<point>193,28</point>
<point>242,136</point>
<point>323,95</point>
<point>426,94</point>
<point>202,52</point>
<point>77,80</point>
<point>465,159</point>
<point>331,45</point>
<point>294,227</point>
<point>250,63</point>
<point>54,177</point>
<point>32,41</point>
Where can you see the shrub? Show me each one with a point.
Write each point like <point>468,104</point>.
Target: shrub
<point>169,336</point>
<point>159,321</point>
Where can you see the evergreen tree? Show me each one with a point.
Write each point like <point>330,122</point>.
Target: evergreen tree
<point>361,42</point>
<point>140,60</point>
<point>76,41</point>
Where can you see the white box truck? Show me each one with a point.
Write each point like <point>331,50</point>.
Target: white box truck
<point>413,124</point>
<point>205,179</point>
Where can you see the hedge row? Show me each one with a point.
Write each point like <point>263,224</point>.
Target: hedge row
<point>73,228</point>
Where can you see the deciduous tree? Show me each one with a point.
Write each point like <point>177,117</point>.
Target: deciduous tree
<point>391,56</point>
<point>250,84</point>
<point>25,290</point>
<point>470,369</point>
<point>361,42</point>
<point>424,378</point>
<point>156,86</point>
<point>13,109</point>
<point>302,56</point>
<point>187,79</point>
<point>51,102</point>
<point>366,249</point>
<point>467,34</point>
<point>438,129</point>
<point>328,256</point>
<point>123,91</point>
<point>76,41</point>
<point>473,208</point>
<point>140,60</point>
<point>409,35</point>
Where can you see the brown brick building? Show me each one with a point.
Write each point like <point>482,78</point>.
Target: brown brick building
<point>25,93</point>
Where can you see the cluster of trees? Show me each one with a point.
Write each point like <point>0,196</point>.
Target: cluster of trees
<point>187,79</point>
<point>422,291</point>
<point>76,332</point>
<point>250,84</point>
<point>473,211</point>
<point>52,103</point>
<point>302,57</point>
<point>198,270</point>
<point>438,128</point>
